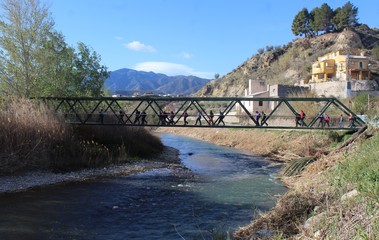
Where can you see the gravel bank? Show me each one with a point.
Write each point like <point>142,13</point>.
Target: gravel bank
<point>168,159</point>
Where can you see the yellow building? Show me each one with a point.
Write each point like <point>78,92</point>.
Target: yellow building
<point>341,65</point>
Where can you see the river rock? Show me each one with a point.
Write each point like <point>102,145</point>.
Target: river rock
<point>349,195</point>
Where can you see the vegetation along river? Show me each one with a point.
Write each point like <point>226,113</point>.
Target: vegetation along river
<point>222,193</point>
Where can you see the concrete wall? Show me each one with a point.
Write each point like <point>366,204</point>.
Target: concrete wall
<point>343,89</point>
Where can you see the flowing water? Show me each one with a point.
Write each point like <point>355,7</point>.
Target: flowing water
<point>222,194</point>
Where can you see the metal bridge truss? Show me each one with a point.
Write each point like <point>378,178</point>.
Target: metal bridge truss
<point>235,112</point>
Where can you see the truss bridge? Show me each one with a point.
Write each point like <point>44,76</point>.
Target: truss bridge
<point>207,112</point>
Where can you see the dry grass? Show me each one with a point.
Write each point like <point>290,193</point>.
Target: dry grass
<point>34,137</point>
<point>284,219</point>
<point>278,145</point>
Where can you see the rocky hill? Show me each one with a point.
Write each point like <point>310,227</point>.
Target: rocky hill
<point>292,62</point>
<point>126,81</point>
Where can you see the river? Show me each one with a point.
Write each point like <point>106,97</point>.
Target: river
<point>222,193</point>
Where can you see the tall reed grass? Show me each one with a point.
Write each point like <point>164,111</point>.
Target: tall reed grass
<point>34,137</point>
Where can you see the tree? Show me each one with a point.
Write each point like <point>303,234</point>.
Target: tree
<point>314,22</point>
<point>24,26</point>
<point>35,60</point>
<point>322,19</point>
<point>88,74</point>
<point>217,76</point>
<point>345,17</point>
<point>300,24</point>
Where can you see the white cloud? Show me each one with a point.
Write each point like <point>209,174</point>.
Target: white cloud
<point>140,47</point>
<point>171,69</point>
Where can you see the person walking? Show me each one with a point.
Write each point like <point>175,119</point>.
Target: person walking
<point>302,117</point>
<point>136,119</point>
<point>320,120</point>
<point>264,117</point>
<point>257,117</point>
<point>171,120</point>
<point>351,121</point>
<point>326,120</point>
<point>121,117</point>
<point>143,117</point>
<point>211,116</point>
<point>221,119</point>
<point>185,116</point>
<point>101,116</point>
<point>198,119</point>
<point>340,121</point>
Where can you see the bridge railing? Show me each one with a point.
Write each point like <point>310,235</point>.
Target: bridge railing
<point>237,112</point>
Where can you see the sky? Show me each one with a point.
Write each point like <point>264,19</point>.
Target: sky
<point>185,37</point>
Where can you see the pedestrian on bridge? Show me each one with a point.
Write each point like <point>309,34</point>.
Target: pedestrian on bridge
<point>143,117</point>
<point>211,116</point>
<point>101,116</point>
<point>302,117</point>
<point>121,117</point>
<point>221,119</point>
<point>320,120</point>
<point>299,119</point>
<point>351,121</point>
<point>171,121</point>
<point>341,121</point>
<point>198,119</point>
<point>326,119</point>
<point>257,117</point>
<point>185,115</point>
<point>136,119</point>
<point>264,117</point>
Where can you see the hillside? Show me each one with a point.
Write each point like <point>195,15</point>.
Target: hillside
<point>126,81</point>
<point>292,62</point>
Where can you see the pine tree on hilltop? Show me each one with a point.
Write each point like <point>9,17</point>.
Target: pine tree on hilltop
<point>321,19</point>
<point>345,17</point>
<point>301,23</point>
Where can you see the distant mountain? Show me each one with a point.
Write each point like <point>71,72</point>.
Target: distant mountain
<point>126,81</point>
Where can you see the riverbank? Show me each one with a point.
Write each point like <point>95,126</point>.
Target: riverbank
<point>277,145</point>
<point>168,159</point>
<point>333,195</point>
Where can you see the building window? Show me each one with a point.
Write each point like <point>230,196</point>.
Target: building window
<point>260,103</point>
<point>341,67</point>
<point>360,65</point>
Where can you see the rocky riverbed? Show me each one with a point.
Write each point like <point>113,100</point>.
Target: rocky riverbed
<point>167,159</point>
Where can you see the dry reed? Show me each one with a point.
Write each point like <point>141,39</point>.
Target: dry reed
<point>33,137</point>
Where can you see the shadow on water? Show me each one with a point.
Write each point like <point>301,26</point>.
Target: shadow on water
<point>224,191</point>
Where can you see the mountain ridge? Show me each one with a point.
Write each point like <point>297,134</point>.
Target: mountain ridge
<point>128,81</point>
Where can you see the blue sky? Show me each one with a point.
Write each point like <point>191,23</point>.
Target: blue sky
<point>185,37</point>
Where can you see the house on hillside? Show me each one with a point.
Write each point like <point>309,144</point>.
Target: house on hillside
<point>259,89</point>
<point>341,65</point>
<point>342,74</point>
